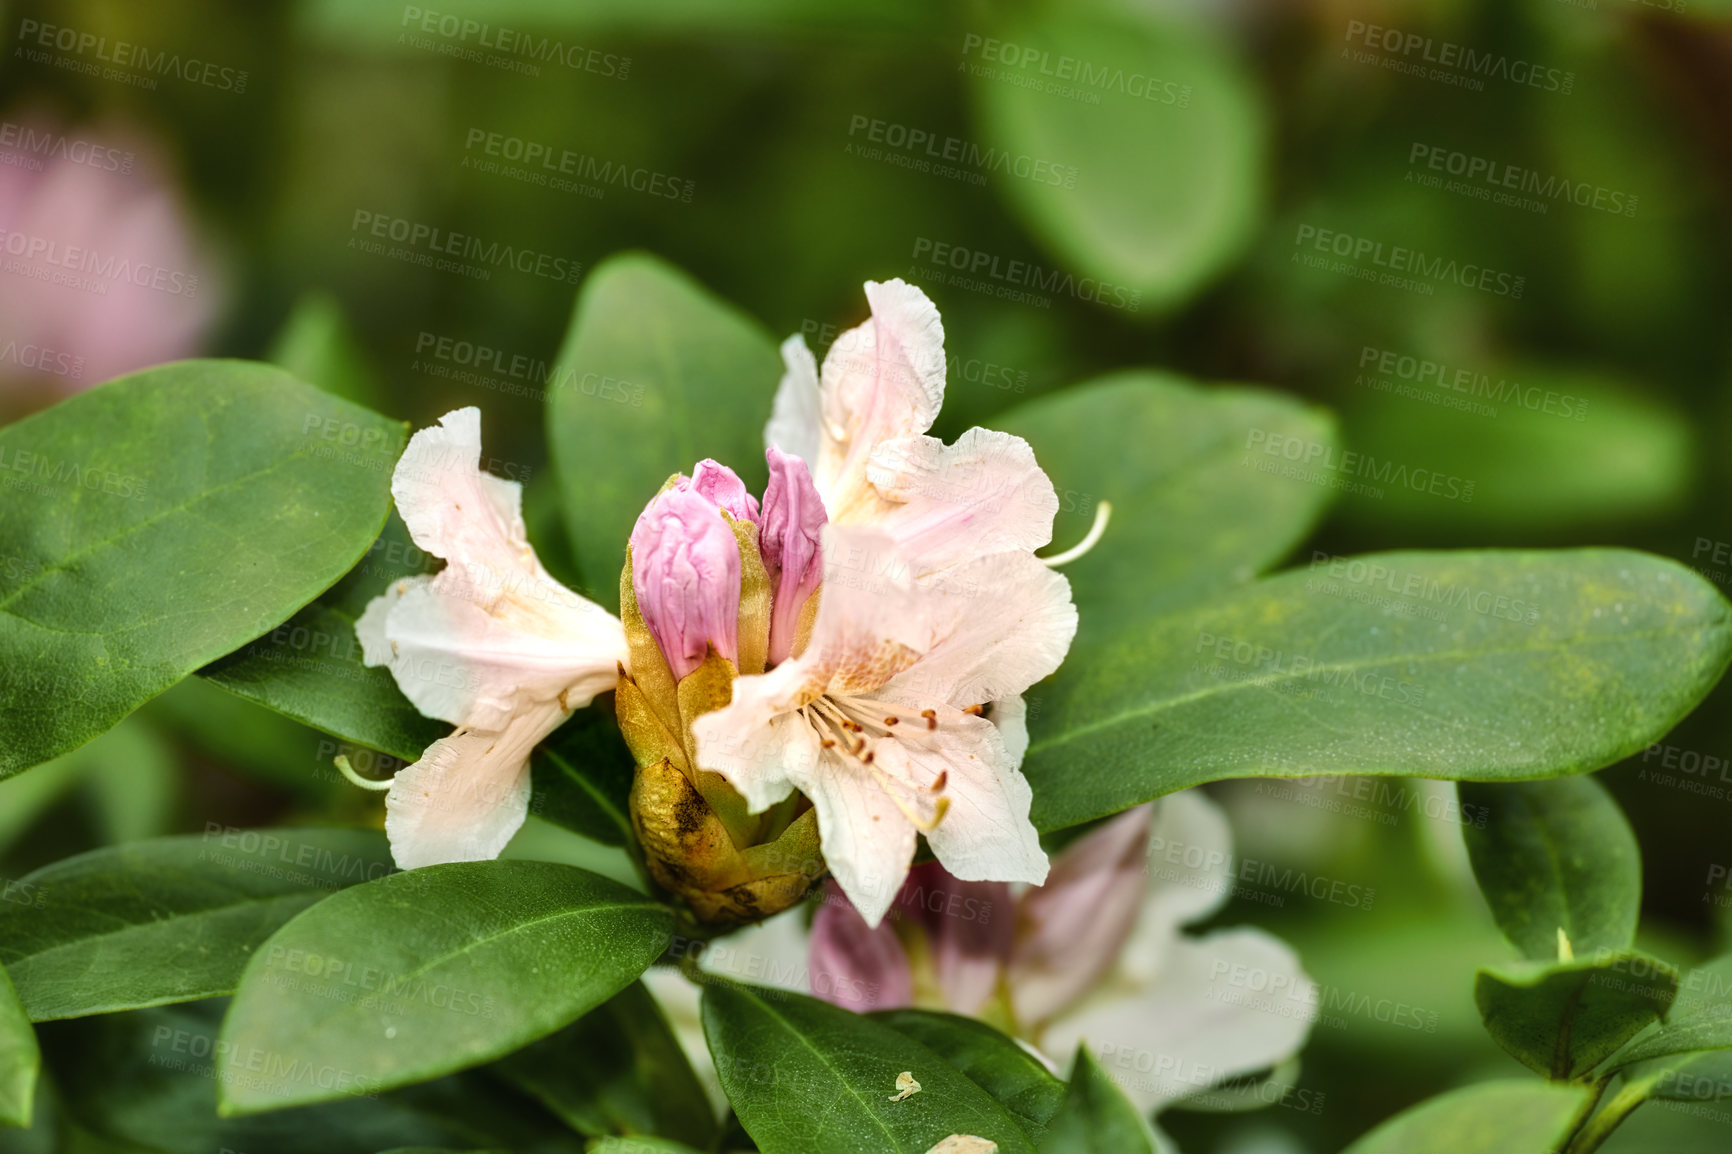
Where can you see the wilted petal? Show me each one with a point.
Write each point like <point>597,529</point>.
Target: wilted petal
<point>1200,1022</point>
<point>468,794</point>
<point>881,380</point>
<point>984,494</point>
<point>686,575</point>
<point>793,426</point>
<point>853,965</point>
<point>1073,927</point>
<point>969,927</point>
<point>789,537</point>
<point>1190,872</point>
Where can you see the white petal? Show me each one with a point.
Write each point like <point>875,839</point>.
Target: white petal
<point>984,494</point>
<point>868,842</point>
<point>451,507</point>
<point>755,741</point>
<point>1010,714</point>
<point>881,380</point>
<point>793,426</point>
<point>999,624</point>
<point>1200,1022</point>
<point>1190,876</point>
<point>872,621</point>
<point>985,834</point>
<point>467,795</point>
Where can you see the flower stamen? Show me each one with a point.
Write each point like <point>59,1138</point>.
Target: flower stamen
<point>1103,514</point>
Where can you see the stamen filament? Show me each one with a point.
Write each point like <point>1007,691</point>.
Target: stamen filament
<point>341,761</point>
<point>1103,514</point>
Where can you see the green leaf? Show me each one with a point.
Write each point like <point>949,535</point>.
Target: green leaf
<point>309,668</point>
<point>655,374</point>
<point>1564,1019</point>
<point>617,1070</point>
<point>804,1075</point>
<point>1187,516</point>
<point>1095,1116</point>
<point>422,973</point>
<point>20,1060</point>
<point>991,1060</point>
<point>1163,129</point>
<point>1563,449</point>
<point>1555,856</point>
<point>639,1145</point>
<point>161,520</point>
<point>1701,1018</point>
<point>1406,664</point>
<point>168,920</point>
<point>582,776</point>
<point>315,344</point>
<point>1505,1117</point>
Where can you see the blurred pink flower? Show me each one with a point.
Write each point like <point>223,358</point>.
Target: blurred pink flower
<point>99,270</point>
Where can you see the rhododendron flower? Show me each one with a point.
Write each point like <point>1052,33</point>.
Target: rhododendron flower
<point>491,644</point>
<point>1096,957</point>
<point>896,705</point>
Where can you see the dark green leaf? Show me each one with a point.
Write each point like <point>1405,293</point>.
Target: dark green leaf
<point>1508,1117</point>
<point>310,669</point>
<point>166,518</point>
<point>1165,134</point>
<point>1095,1116</point>
<point>1491,666</point>
<point>168,920</point>
<point>1555,856</point>
<point>20,1060</point>
<point>583,776</point>
<point>1565,1018</point>
<point>1188,516</point>
<point>617,1070</point>
<point>422,973</point>
<point>655,374</point>
<point>1701,1019</point>
<point>990,1059</point>
<point>804,1075</point>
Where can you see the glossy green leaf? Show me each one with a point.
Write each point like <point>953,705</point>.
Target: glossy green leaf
<point>991,1060</point>
<point>1489,666</point>
<point>1555,856</point>
<point>160,521</point>
<point>1563,1019</point>
<point>1506,1117</point>
<point>1095,1116</point>
<point>1188,516</point>
<point>1163,130</point>
<point>655,374</point>
<point>804,1075</point>
<point>20,1060</point>
<point>309,668</point>
<point>169,920</point>
<point>617,1070</point>
<point>422,973</point>
<point>1701,1018</point>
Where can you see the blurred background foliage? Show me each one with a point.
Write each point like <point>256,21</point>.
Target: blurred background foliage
<point>1276,129</point>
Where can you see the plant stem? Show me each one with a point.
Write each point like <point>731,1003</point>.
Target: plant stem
<point>1587,1110</point>
<point>1600,1127</point>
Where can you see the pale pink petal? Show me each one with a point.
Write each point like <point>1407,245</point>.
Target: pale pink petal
<point>793,426</point>
<point>789,538</point>
<point>723,487</point>
<point>1190,872</point>
<point>872,621</point>
<point>853,965</point>
<point>868,841</point>
<point>984,494</point>
<point>1201,1021</point>
<point>881,380</point>
<point>999,624</point>
<point>969,929</point>
<point>468,794</point>
<point>1010,714</point>
<point>1072,928</point>
<point>756,741</point>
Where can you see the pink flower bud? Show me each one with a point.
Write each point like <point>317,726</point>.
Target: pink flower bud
<point>788,539</point>
<point>724,487</point>
<point>686,575</point>
<point>969,930</point>
<point>853,965</point>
